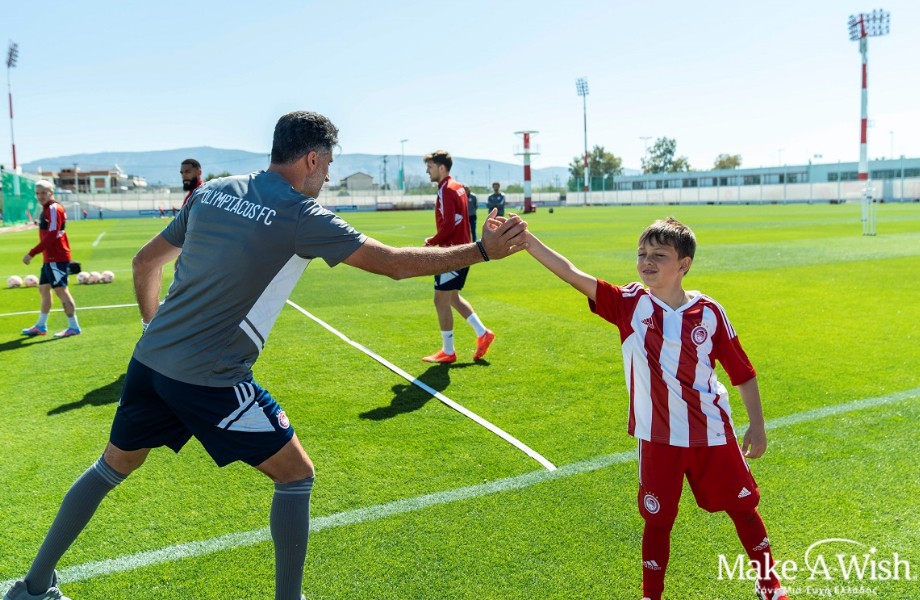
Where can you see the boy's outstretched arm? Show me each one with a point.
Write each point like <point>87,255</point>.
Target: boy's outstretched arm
<point>562,267</point>
<point>755,438</point>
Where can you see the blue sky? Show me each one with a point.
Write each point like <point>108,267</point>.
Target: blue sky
<point>773,81</point>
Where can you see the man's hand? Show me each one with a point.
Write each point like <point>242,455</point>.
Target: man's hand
<point>503,237</point>
<point>27,259</point>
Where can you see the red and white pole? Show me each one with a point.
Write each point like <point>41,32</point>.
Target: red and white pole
<point>12,139</point>
<point>526,152</point>
<point>528,203</point>
<point>864,112</point>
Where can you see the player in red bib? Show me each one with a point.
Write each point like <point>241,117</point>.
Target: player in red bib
<point>55,250</point>
<point>453,228</point>
<point>671,339</point>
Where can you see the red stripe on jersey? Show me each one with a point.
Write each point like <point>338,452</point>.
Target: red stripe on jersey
<point>729,433</point>
<point>631,425</point>
<point>686,375</point>
<point>661,418</point>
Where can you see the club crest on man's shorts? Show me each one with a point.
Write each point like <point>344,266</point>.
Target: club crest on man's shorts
<point>283,422</point>
<point>651,504</point>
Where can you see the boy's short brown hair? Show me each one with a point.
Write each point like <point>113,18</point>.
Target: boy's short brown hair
<point>440,157</point>
<point>671,232</point>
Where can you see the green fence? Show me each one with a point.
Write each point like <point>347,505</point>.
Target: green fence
<point>19,201</point>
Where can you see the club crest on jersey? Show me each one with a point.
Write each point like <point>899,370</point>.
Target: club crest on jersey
<point>283,420</point>
<point>699,334</point>
<point>651,504</point>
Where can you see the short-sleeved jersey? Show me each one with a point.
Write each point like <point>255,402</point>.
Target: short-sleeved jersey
<point>669,358</point>
<point>245,242</point>
<point>52,239</point>
<point>451,216</point>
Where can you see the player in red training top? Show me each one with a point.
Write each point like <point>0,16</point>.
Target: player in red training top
<point>55,251</point>
<point>190,171</point>
<point>671,339</point>
<point>453,228</point>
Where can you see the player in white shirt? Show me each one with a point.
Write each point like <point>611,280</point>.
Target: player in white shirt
<point>671,339</point>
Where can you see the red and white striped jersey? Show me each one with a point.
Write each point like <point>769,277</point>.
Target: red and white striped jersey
<point>52,244</point>
<point>669,363</point>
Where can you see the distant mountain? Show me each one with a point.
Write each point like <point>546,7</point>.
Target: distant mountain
<point>161,167</point>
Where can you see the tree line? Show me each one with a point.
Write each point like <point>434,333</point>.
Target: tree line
<point>660,158</point>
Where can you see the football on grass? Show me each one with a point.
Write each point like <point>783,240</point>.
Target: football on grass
<point>30,281</point>
<point>14,281</point>
<point>107,277</point>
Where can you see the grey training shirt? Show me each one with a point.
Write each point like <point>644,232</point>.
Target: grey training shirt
<point>245,242</point>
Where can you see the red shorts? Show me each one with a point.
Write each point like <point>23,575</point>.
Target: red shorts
<point>719,477</point>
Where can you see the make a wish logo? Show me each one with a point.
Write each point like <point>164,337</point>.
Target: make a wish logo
<point>839,560</point>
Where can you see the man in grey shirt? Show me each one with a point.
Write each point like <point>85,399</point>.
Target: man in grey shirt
<point>241,243</point>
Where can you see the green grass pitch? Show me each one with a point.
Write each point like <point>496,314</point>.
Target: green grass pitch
<point>413,500</point>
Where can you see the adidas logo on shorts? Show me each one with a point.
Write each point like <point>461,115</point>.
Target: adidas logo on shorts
<point>744,493</point>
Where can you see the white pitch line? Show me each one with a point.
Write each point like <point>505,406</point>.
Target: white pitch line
<point>417,382</point>
<point>35,312</point>
<point>98,239</point>
<point>380,511</point>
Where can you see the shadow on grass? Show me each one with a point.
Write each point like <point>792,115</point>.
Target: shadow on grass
<point>409,397</point>
<point>24,341</point>
<point>107,394</point>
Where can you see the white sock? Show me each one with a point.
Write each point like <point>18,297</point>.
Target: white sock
<point>473,320</point>
<point>72,322</point>
<point>448,342</point>
<point>42,320</point>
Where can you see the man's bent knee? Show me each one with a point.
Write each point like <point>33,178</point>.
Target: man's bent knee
<point>289,464</point>
<point>124,461</point>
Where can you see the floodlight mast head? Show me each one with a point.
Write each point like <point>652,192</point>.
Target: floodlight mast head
<point>11,55</point>
<point>581,84</point>
<point>873,24</point>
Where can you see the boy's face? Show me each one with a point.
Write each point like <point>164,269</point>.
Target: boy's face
<point>659,266</point>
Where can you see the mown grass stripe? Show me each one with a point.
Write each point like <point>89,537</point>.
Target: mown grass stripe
<point>380,511</point>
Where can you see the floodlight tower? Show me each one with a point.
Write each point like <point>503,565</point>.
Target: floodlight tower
<point>402,164</point>
<point>863,26</point>
<point>526,152</point>
<point>581,84</point>
<point>11,56</point>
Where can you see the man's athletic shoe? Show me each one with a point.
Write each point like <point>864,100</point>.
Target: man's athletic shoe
<point>19,591</point>
<point>772,594</point>
<point>482,344</point>
<point>69,332</point>
<point>441,357</point>
<point>34,331</point>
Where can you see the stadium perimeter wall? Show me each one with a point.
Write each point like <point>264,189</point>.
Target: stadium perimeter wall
<point>148,204</point>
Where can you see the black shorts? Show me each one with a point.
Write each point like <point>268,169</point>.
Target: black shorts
<point>242,422</point>
<point>54,273</point>
<point>452,280</point>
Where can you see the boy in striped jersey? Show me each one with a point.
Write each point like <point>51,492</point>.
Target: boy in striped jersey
<point>678,410</point>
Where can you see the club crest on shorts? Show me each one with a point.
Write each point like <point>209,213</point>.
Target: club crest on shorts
<point>283,420</point>
<point>651,504</point>
<point>699,334</point>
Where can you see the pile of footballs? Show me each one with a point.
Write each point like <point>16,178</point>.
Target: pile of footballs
<point>83,277</point>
